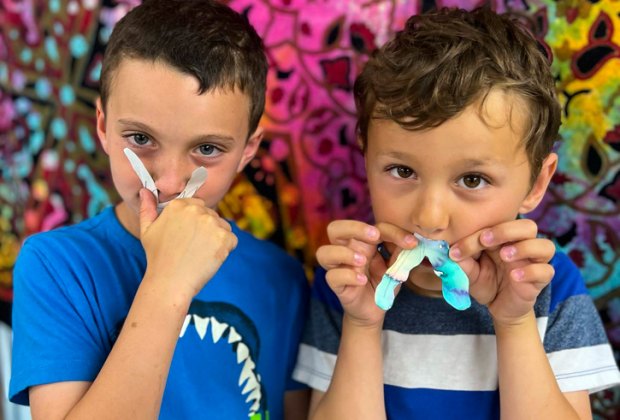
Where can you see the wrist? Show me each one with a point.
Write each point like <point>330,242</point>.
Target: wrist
<point>167,290</point>
<point>362,325</point>
<point>513,324</point>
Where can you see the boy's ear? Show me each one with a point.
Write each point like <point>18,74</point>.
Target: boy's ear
<point>360,142</point>
<point>539,188</point>
<point>251,147</point>
<point>101,133</point>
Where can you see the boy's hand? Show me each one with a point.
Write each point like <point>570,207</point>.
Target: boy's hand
<point>354,266</point>
<point>186,244</point>
<point>507,266</point>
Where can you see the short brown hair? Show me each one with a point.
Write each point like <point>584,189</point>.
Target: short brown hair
<point>202,38</point>
<point>446,60</point>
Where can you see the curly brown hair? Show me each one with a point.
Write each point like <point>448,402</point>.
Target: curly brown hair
<point>203,38</point>
<point>446,60</point>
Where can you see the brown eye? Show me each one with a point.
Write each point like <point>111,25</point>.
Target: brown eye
<point>404,172</point>
<point>472,181</point>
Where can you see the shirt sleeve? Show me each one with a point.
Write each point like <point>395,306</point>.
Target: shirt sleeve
<point>52,340</point>
<point>299,310</point>
<point>575,340</point>
<point>321,338</point>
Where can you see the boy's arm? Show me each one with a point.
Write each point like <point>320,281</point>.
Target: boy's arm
<point>354,269</point>
<point>132,380</point>
<point>296,404</point>
<point>356,389</point>
<point>511,270</point>
<point>528,387</point>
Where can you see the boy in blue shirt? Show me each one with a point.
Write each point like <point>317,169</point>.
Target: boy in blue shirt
<point>457,117</point>
<point>135,314</point>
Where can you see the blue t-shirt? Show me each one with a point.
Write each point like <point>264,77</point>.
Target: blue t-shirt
<point>440,363</point>
<point>235,355</point>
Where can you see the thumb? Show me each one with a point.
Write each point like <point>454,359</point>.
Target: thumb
<point>148,210</point>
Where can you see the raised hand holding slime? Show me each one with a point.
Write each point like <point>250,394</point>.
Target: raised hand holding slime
<point>198,177</point>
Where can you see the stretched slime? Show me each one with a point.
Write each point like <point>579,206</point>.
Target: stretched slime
<point>198,177</point>
<point>454,281</point>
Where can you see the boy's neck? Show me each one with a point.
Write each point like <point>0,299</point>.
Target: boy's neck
<point>128,219</point>
<point>423,291</point>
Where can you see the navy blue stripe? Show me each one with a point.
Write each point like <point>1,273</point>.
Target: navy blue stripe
<point>323,327</point>
<point>575,323</point>
<point>322,292</point>
<point>431,404</point>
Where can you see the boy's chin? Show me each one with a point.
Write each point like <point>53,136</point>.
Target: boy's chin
<point>423,278</point>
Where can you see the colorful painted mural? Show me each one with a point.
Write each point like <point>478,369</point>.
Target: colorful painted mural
<point>309,171</point>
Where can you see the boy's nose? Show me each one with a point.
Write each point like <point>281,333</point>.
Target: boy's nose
<point>431,214</point>
<point>171,179</point>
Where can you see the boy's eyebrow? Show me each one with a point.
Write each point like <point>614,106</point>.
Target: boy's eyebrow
<point>478,162</point>
<point>199,139</point>
<point>395,154</point>
<point>136,124</point>
<point>468,162</point>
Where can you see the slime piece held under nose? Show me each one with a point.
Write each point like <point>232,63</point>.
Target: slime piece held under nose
<point>454,281</point>
<point>198,177</point>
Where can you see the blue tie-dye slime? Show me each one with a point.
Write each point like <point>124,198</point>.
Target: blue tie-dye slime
<point>454,281</point>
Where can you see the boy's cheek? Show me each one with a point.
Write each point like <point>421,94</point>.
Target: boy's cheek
<point>126,182</point>
<point>210,196</point>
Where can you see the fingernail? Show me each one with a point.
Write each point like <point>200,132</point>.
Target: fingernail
<point>509,252</point>
<point>518,274</point>
<point>361,278</point>
<point>455,253</point>
<point>372,232</point>
<point>410,239</point>
<point>359,259</point>
<point>487,238</point>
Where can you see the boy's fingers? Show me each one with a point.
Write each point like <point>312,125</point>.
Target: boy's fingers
<point>532,279</point>
<point>148,209</point>
<point>396,235</point>
<point>341,231</point>
<point>536,250</point>
<point>339,278</point>
<point>333,256</point>
<point>490,238</point>
<point>540,274</point>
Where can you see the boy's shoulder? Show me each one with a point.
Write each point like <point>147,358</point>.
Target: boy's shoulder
<point>77,229</point>
<point>567,280</point>
<point>263,253</point>
<point>260,261</point>
<point>86,236</point>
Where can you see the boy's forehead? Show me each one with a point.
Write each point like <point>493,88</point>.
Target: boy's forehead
<point>496,109</point>
<point>474,136</point>
<point>161,96</point>
<point>130,69</point>
<point>500,107</point>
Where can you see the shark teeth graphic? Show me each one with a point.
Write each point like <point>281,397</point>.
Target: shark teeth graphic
<point>248,379</point>
<point>217,329</point>
<point>233,336</point>
<point>201,325</point>
<point>247,372</point>
<point>185,324</point>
